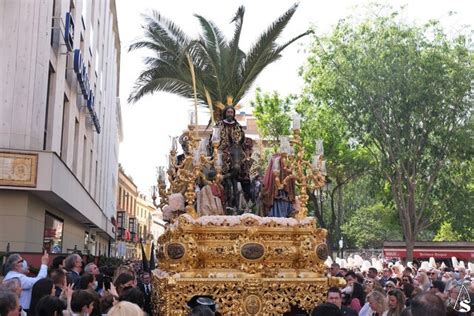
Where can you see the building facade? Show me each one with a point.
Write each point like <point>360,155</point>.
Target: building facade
<point>127,232</point>
<point>158,225</point>
<point>144,218</point>
<point>60,125</point>
<point>137,221</point>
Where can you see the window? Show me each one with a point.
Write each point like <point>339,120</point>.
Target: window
<point>132,225</point>
<point>91,39</point>
<point>49,95</point>
<point>120,221</point>
<point>53,233</point>
<point>53,22</point>
<point>65,128</point>
<point>84,161</point>
<point>76,146</point>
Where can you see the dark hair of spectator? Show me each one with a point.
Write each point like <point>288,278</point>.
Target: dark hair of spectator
<point>408,290</point>
<point>106,303</point>
<point>42,288</point>
<point>351,274</point>
<point>122,279</point>
<point>374,270</point>
<point>358,292</point>
<point>57,261</point>
<point>81,298</point>
<point>201,310</point>
<point>50,306</point>
<point>438,285</point>
<point>360,278</point>
<point>427,304</point>
<point>8,302</point>
<point>410,279</point>
<point>85,280</point>
<point>334,289</point>
<point>58,276</point>
<point>326,309</point>
<point>107,270</point>
<point>133,295</point>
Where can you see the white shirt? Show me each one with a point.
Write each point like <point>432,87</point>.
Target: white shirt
<point>27,284</point>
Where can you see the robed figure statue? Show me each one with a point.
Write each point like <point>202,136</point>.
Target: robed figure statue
<point>278,195</point>
<point>232,137</point>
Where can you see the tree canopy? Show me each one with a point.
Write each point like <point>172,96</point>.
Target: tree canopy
<point>404,91</point>
<point>273,114</point>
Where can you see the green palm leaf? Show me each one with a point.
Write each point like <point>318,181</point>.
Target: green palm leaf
<point>221,67</point>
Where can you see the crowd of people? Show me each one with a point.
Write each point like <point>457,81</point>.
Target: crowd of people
<point>70,287</point>
<point>400,291</point>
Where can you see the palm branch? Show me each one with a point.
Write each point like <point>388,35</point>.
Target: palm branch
<point>222,69</point>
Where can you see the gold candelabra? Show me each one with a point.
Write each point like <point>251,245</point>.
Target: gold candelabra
<point>184,176</point>
<point>296,167</point>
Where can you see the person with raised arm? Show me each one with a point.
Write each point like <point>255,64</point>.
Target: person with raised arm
<point>17,267</point>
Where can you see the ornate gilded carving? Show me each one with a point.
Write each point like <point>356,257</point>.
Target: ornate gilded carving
<point>248,295</point>
<point>252,304</point>
<point>247,243</point>
<point>249,265</point>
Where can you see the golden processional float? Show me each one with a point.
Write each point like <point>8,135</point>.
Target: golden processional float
<point>249,265</point>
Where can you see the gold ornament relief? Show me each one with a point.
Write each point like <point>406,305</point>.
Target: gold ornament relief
<point>253,304</point>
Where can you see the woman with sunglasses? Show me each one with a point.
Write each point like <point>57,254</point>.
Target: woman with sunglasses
<point>17,267</point>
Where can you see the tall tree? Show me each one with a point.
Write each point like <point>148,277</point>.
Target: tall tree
<point>346,161</point>
<point>223,72</point>
<point>369,226</point>
<point>273,114</point>
<point>403,90</point>
<point>454,191</point>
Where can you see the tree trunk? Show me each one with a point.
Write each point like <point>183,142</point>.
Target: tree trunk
<point>329,243</point>
<point>410,244</point>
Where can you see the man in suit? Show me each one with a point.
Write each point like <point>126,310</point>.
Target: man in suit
<point>145,287</point>
<point>334,296</point>
<point>73,264</point>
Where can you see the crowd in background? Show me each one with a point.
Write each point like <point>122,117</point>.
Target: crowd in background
<point>70,287</point>
<point>398,290</point>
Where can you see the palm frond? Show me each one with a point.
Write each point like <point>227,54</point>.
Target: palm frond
<point>221,68</point>
<point>262,52</point>
<point>236,55</point>
<point>215,48</point>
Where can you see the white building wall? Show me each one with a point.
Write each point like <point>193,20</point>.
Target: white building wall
<point>41,105</point>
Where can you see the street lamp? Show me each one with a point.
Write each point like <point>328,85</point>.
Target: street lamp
<point>341,246</point>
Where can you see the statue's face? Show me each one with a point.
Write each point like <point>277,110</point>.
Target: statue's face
<point>229,114</point>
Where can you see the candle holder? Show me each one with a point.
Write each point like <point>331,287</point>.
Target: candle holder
<point>184,176</point>
<point>305,175</point>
